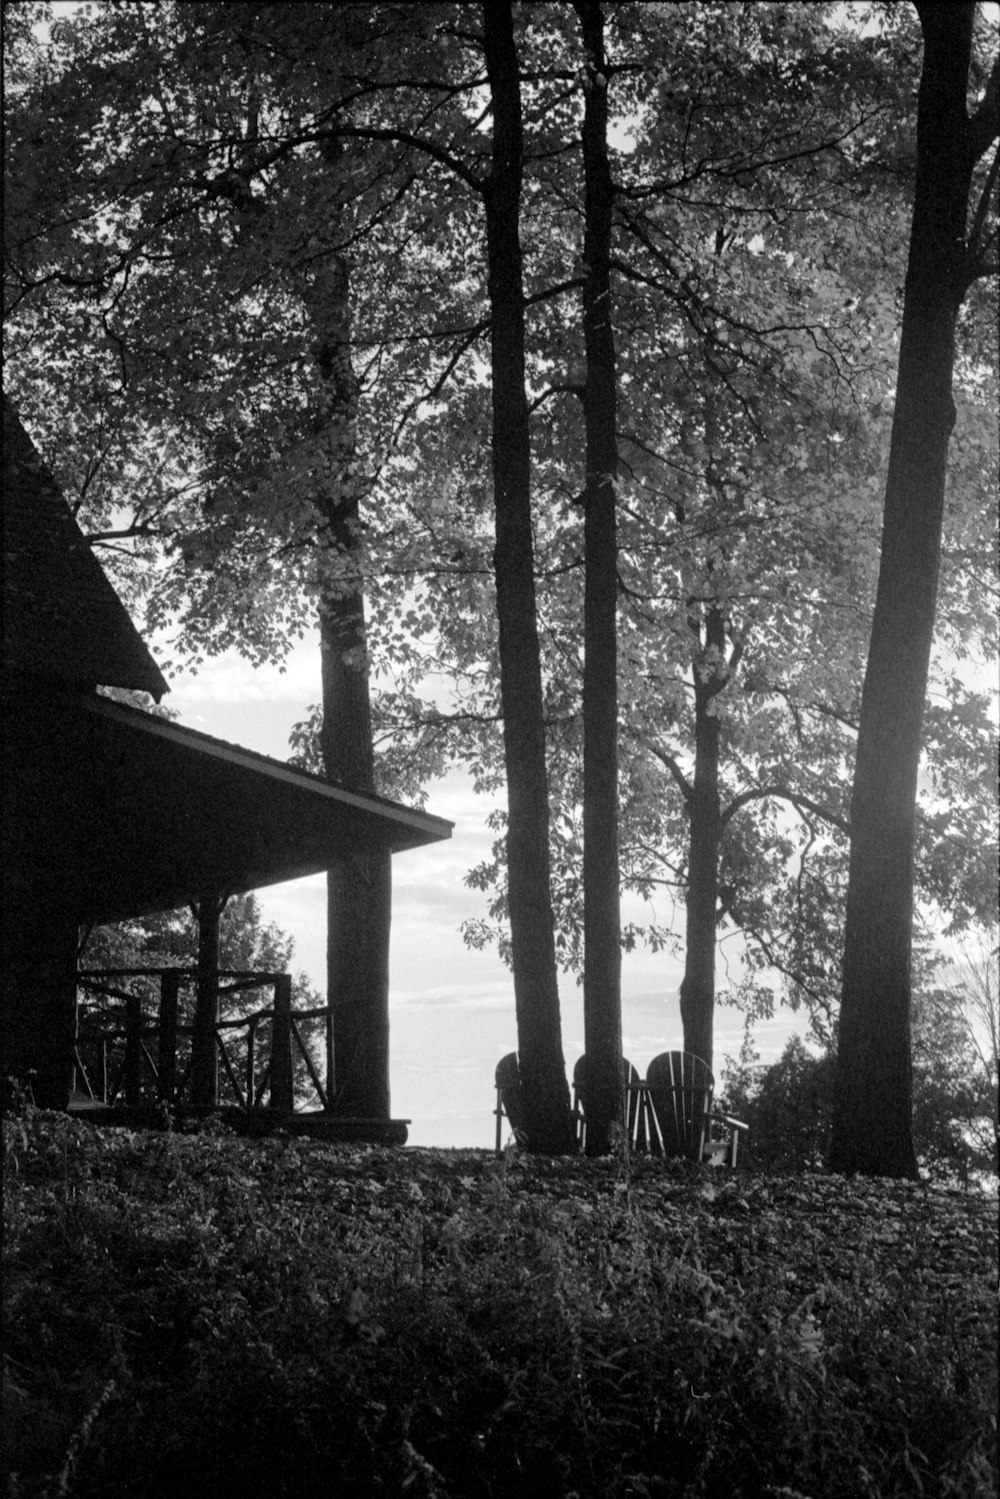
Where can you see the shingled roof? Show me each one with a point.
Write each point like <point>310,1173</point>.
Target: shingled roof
<point>62,619</point>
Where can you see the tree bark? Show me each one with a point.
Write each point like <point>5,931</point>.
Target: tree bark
<point>359,886</point>
<point>536,989</point>
<point>873,1103</point>
<point>698,985</point>
<point>602,1010</point>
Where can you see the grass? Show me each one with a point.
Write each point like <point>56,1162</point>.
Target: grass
<point>202,1314</point>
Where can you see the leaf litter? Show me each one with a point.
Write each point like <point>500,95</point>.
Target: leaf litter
<point>684,1322</point>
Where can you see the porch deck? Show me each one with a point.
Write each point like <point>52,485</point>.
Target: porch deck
<point>145,1055</point>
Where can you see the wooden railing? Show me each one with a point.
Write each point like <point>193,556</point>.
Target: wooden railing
<point>146,1052</point>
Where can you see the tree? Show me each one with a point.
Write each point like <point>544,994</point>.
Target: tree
<point>223,184</point>
<point>974,976</point>
<point>238,181</point>
<point>259,293</point>
<point>789,1104</point>
<point>602,1009</point>
<point>543,1069</point>
<point>755,347</point>
<point>872,1130</point>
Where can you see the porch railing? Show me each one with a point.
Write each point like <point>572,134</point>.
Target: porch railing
<point>135,1041</point>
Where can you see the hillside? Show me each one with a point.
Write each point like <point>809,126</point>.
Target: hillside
<point>201,1314</point>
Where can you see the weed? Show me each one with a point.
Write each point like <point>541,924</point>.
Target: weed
<point>201,1314</point>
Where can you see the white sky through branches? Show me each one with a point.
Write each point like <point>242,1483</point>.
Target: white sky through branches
<point>451,1009</point>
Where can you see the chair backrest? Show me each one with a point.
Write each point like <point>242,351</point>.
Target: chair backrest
<point>509,1099</point>
<point>680,1087</point>
<point>631,1098</point>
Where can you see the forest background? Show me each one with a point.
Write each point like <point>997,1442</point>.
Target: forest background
<point>246,265</point>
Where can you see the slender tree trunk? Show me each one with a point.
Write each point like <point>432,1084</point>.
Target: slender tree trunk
<point>359,886</point>
<point>873,1103</point>
<point>536,989</point>
<point>710,674</point>
<point>698,984</point>
<point>602,1010</point>
<point>697,994</point>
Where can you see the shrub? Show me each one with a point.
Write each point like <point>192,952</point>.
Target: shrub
<point>204,1314</point>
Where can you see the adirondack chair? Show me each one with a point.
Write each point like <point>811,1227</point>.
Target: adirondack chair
<point>635,1121</point>
<point>509,1103</point>
<point>679,1087</point>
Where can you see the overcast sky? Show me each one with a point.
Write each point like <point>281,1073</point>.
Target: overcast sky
<point>451,1009</point>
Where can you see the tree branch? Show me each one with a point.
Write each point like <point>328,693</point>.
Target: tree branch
<point>402,138</point>
<point>984,125</point>
<point>687,790</point>
<point>802,804</point>
<point>978,265</point>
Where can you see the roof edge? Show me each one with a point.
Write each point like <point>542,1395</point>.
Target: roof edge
<point>437,829</point>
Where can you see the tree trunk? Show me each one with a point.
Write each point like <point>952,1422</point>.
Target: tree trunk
<point>698,984</point>
<point>873,1104</point>
<point>359,886</point>
<point>536,989</point>
<point>602,1010</point>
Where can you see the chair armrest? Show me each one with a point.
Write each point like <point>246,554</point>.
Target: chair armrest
<point>728,1119</point>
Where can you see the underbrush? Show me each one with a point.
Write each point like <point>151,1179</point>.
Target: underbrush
<point>204,1315</point>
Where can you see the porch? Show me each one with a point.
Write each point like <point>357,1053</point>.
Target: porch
<point>144,1053</point>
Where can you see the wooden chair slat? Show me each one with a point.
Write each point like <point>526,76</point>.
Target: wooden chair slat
<point>680,1088</point>
<point>510,1105</point>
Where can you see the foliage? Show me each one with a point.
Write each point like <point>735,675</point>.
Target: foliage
<point>952,245</point>
<point>170,940</point>
<point>171,937</point>
<point>789,1104</point>
<point>202,1314</point>
<point>171,209</point>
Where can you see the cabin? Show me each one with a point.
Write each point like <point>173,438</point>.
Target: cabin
<point>111,812</point>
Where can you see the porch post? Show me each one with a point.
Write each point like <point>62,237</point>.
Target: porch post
<point>169,989</point>
<point>204,1049</point>
<point>359,902</point>
<point>282,1087</point>
<point>133,1050</point>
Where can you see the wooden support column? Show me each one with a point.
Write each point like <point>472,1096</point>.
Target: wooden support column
<point>204,1043</point>
<point>169,989</point>
<point>330,1057</point>
<point>359,891</point>
<point>282,1090</point>
<point>133,1050</point>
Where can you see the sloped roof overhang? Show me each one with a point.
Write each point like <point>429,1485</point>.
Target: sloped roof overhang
<point>175,813</point>
<point>62,618</point>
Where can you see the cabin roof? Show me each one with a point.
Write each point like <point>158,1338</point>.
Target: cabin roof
<point>157,813</point>
<point>63,620</point>
<point>177,812</point>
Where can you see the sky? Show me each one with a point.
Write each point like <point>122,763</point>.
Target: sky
<point>451,1008</point>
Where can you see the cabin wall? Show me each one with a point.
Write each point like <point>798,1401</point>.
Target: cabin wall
<point>44,787</point>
